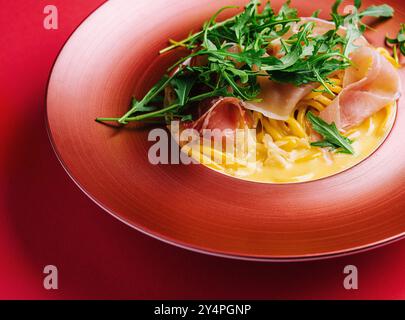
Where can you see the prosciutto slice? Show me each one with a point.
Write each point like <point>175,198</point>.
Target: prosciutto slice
<point>368,86</point>
<point>225,114</point>
<point>278,99</point>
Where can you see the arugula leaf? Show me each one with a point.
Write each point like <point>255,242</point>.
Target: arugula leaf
<point>138,107</point>
<point>323,144</point>
<point>352,21</point>
<point>382,11</point>
<point>316,13</point>
<point>244,76</point>
<point>187,117</point>
<point>332,137</point>
<point>399,40</point>
<point>287,12</point>
<point>336,6</point>
<point>182,86</point>
<point>353,32</point>
<point>152,94</point>
<point>241,25</point>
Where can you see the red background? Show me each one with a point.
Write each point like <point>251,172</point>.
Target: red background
<point>45,219</point>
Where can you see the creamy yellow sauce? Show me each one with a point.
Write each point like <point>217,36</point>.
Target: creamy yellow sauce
<point>366,137</point>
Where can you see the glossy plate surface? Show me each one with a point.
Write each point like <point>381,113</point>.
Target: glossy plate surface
<point>114,54</point>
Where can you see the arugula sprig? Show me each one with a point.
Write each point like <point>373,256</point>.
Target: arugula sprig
<point>352,21</point>
<point>331,135</point>
<point>399,40</point>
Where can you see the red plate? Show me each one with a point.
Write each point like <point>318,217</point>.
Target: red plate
<point>114,53</point>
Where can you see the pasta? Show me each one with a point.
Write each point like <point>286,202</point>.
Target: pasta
<point>282,145</point>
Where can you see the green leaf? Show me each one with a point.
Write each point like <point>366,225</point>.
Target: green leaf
<point>399,40</point>
<point>323,144</point>
<point>287,12</point>
<point>210,45</point>
<point>332,136</point>
<point>243,75</point>
<point>187,117</point>
<point>382,11</point>
<point>138,107</point>
<point>352,22</point>
<point>240,27</point>
<point>182,86</point>
<point>336,6</point>
<point>357,3</point>
<point>316,13</point>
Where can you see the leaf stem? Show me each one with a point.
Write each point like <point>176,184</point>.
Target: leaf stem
<point>146,99</point>
<point>322,81</point>
<point>161,112</point>
<point>200,33</point>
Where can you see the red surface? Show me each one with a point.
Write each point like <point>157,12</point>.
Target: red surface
<point>45,219</point>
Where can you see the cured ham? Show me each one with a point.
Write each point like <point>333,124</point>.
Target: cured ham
<point>278,99</point>
<point>368,86</point>
<point>225,114</point>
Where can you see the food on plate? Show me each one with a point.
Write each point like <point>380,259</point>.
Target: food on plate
<point>287,98</point>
